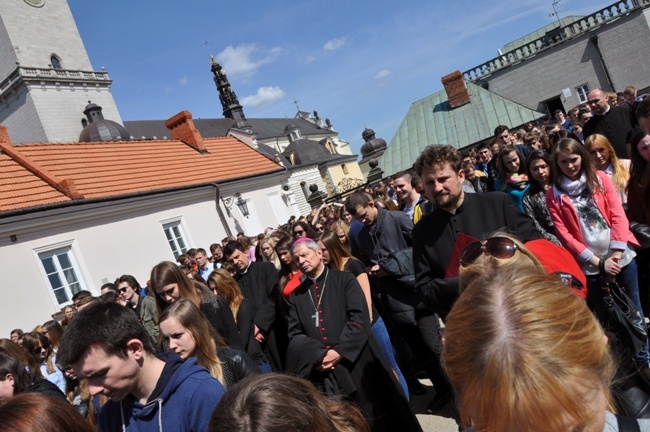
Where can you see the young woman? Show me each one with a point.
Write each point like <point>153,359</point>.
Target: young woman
<point>223,285</point>
<point>170,284</point>
<point>341,229</point>
<point>267,249</point>
<point>591,224</point>
<point>336,256</point>
<point>39,347</point>
<point>53,332</point>
<point>32,412</point>
<point>638,205</point>
<point>515,317</point>
<point>189,334</point>
<point>278,403</point>
<point>512,174</point>
<point>289,273</point>
<point>68,314</point>
<point>17,378</point>
<point>604,157</point>
<point>538,169</point>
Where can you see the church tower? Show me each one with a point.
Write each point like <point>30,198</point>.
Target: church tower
<point>46,77</point>
<point>231,107</point>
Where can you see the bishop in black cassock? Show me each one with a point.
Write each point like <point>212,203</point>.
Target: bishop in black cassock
<point>331,345</point>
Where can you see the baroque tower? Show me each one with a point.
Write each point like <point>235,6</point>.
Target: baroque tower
<point>46,77</point>
<point>231,107</point>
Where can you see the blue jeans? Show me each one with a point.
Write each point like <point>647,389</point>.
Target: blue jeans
<point>265,366</point>
<point>381,335</point>
<point>629,279</point>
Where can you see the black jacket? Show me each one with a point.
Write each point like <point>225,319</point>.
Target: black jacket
<point>434,238</point>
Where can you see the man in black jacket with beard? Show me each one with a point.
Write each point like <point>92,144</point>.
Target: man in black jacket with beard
<point>476,215</point>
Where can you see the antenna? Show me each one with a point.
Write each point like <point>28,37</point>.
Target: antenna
<point>207,46</point>
<point>295,102</point>
<point>556,13</point>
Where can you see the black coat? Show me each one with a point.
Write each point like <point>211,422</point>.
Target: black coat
<point>260,286</point>
<point>615,125</point>
<point>434,238</point>
<point>344,326</point>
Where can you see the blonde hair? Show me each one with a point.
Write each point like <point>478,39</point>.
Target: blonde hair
<point>205,336</point>
<point>486,264</point>
<point>621,175</point>
<point>275,260</point>
<point>525,353</point>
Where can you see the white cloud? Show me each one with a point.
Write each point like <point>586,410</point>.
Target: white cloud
<point>264,96</point>
<point>244,60</point>
<point>334,44</point>
<point>167,89</point>
<point>183,80</point>
<point>310,58</point>
<point>382,74</point>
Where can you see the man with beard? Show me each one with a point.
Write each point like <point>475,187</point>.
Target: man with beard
<point>476,215</point>
<point>332,346</point>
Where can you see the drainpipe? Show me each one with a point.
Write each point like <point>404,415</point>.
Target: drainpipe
<point>217,198</point>
<point>594,40</point>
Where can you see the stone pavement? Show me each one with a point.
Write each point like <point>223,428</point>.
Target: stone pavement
<point>442,422</point>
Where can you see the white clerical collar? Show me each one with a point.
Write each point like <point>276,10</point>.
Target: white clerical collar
<point>313,279</point>
<point>249,266</point>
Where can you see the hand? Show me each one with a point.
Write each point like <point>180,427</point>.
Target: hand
<point>259,335</point>
<point>612,267</point>
<point>331,359</point>
<point>376,271</point>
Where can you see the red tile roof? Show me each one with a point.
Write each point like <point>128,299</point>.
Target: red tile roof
<point>106,169</point>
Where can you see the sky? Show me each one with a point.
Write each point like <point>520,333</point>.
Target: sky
<point>359,63</point>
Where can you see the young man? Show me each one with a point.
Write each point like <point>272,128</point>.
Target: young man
<point>386,232</point>
<point>106,345</point>
<point>258,282</point>
<point>204,264</point>
<point>144,307</point>
<point>476,215</point>
<point>332,346</point>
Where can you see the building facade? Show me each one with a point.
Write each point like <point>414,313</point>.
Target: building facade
<point>46,78</point>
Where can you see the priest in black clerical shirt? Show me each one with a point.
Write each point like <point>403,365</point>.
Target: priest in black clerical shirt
<point>259,284</point>
<point>331,345</point>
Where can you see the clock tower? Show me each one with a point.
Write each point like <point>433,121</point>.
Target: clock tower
<point>46,78</point>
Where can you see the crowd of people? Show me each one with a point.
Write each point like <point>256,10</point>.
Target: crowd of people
<point>328,322</point>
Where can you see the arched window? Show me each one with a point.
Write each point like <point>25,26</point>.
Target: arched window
<point>55,62</point>
<point>84,122</point>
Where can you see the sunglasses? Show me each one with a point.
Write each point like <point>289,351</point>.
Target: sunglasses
<point>320,228</point>
<point>498,247</point>
<point>299,232</point>
<point>38,350</point>
<point>122,290</point>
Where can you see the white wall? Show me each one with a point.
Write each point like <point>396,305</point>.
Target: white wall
<point>110,239</point>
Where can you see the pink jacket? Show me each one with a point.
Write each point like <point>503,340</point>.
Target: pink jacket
<point>567,225</point>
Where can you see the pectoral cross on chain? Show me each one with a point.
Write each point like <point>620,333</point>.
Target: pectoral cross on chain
<point>315,318</point>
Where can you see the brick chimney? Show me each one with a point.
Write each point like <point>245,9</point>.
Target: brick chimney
<point>456,89</point>
<point>182,128</point>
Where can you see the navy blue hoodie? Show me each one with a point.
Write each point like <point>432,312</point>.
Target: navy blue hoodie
<point>183,400</point>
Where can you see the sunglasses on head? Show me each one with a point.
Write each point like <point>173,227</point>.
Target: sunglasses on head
<point>498,247</point>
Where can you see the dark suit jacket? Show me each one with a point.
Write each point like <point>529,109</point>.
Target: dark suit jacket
<point>435,235</point>
<point>260,286</point>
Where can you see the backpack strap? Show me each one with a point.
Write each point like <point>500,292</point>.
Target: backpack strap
<point>627,424</point>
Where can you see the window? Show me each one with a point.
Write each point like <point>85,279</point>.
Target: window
<point>345,169</point>
<point>55,62</point>
<point>175,237</point>
<point>62,274</point>
<point>583,92</point>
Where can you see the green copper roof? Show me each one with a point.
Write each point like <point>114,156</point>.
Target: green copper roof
<point>432,121</point>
